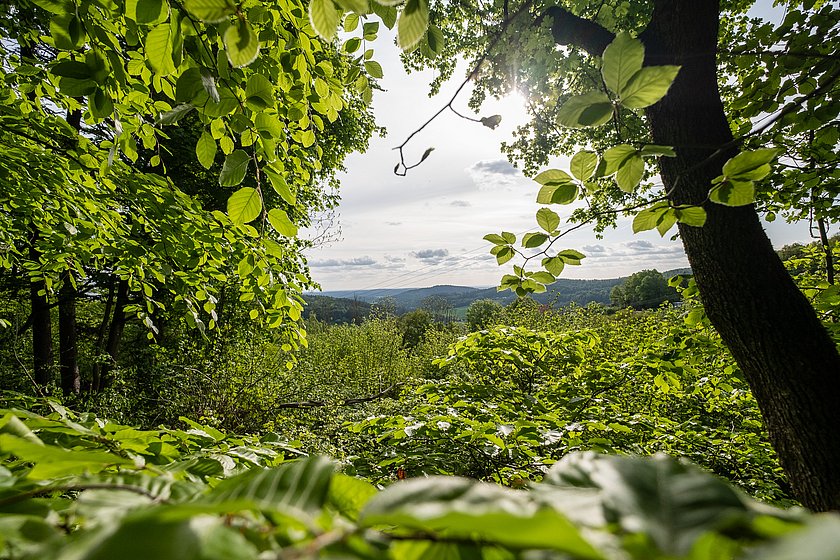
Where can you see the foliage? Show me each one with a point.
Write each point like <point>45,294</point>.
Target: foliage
<point>483,313</point>
<point>79,487</point>
<point>513,400</point>
<point>643,290</point>
<point>262,98</point>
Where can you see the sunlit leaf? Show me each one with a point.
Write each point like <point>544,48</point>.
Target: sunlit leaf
<point>244,206</point>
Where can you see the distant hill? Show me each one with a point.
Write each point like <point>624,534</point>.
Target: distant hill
<point>335,310</point>
<point>344,305</point>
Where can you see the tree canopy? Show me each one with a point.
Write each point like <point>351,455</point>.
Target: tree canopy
<point>734,115</point>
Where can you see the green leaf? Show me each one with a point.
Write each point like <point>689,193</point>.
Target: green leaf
<point>666,221</point>
<point>159,49</point>
<point>244,205</point>
<point>621,60</point>
<point>175,114</point>
<point>351,22</point>
<point>616,156</point>
<point>649,217</point>
<point>649,150</point>
<point>543,277</point>
<point>50,461</point>
<point>670,502</point>
<point>211,11</point>
<point>495,239</point>
<point>554,265</point>
<point>590,109</point>
<point>324,16</point>
<point>205,150</point>
<point>259,92</point>
<point>570,256</point>
<point>280,186</point>
<point>509,237</point>
<point>462,509</point>
<point>563,194</point>
<point>504,254</point>
<point>583,165</point>
<point>72,69</point>
<point>307,138</point>
<point>820,537</point>
<point>72,87</point>
<point>630,173</point>
<point>280,221</point>
<point>301,485</point>
<point>166,532</point>
<point>434,41</point>
<point>547,219</point>
<point>648,85</point>
<point>234,168</point>
<point>349,495</point>
<point>242,44</point>
<point>147,11</point>
<point>412,24</point>
<point>733,193</point>
<point>189,85</point>
<point>531,240</point>
<point>750,166</point>
<point>373,68</point>
<point>67,31</point>
<point>691,215</point>
<point>553,177</point>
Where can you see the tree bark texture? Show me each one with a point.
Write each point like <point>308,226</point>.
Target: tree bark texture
<point>112,348</point>
<point>42,344</point>
<point>786,355</point>
<point>68,353</point>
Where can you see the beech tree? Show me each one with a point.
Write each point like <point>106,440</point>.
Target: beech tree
<point>694,93</point>
<point>683,109</point>
<point>680,123</point>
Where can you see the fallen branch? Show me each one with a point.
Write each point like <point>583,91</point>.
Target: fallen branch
<point>345,402</point>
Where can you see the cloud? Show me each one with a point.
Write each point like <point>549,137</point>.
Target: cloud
<point>640,245</point>
<point>495,167</point>
<point>636,250</point>
<point>332,263</point>
<point>393,223</point>
<point>430,256</point>
<point>460,203</point>
<point>594,249</point>
<point>490,174</point>
<point>391,259</point>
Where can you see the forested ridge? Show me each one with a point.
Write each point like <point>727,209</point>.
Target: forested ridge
<point>171,387</point>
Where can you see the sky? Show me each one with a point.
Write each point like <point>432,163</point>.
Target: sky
<point>426,229</point>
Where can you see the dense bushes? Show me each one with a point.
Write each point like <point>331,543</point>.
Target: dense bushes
<point>78,487</point>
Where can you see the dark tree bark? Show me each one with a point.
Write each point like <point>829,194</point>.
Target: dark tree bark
<point>68,355</point>
<point>96,375</point>
<point>112,348</point>
<point>42,344</point>
<point>786,355</point>
<point>42,351</point>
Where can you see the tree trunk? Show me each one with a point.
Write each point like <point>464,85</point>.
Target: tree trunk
<point>96,375</point>
<point>790,362</point>
<point>68,354</point>
<point>112,348</point>
<point>42,345</point>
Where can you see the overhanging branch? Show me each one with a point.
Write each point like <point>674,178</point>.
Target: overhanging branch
<point>569,29</point>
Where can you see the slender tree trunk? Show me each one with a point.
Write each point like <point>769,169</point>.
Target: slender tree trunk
<point>67,339</point>
<point>42,344</point>
<point>790,362</point>
<point>96,375</point>
<point>112,348</point>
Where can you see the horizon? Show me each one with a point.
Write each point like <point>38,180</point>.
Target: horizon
<point>427,228</point>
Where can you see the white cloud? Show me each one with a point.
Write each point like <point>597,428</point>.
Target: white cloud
<point>493,174</point>
<point>332,263</point>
